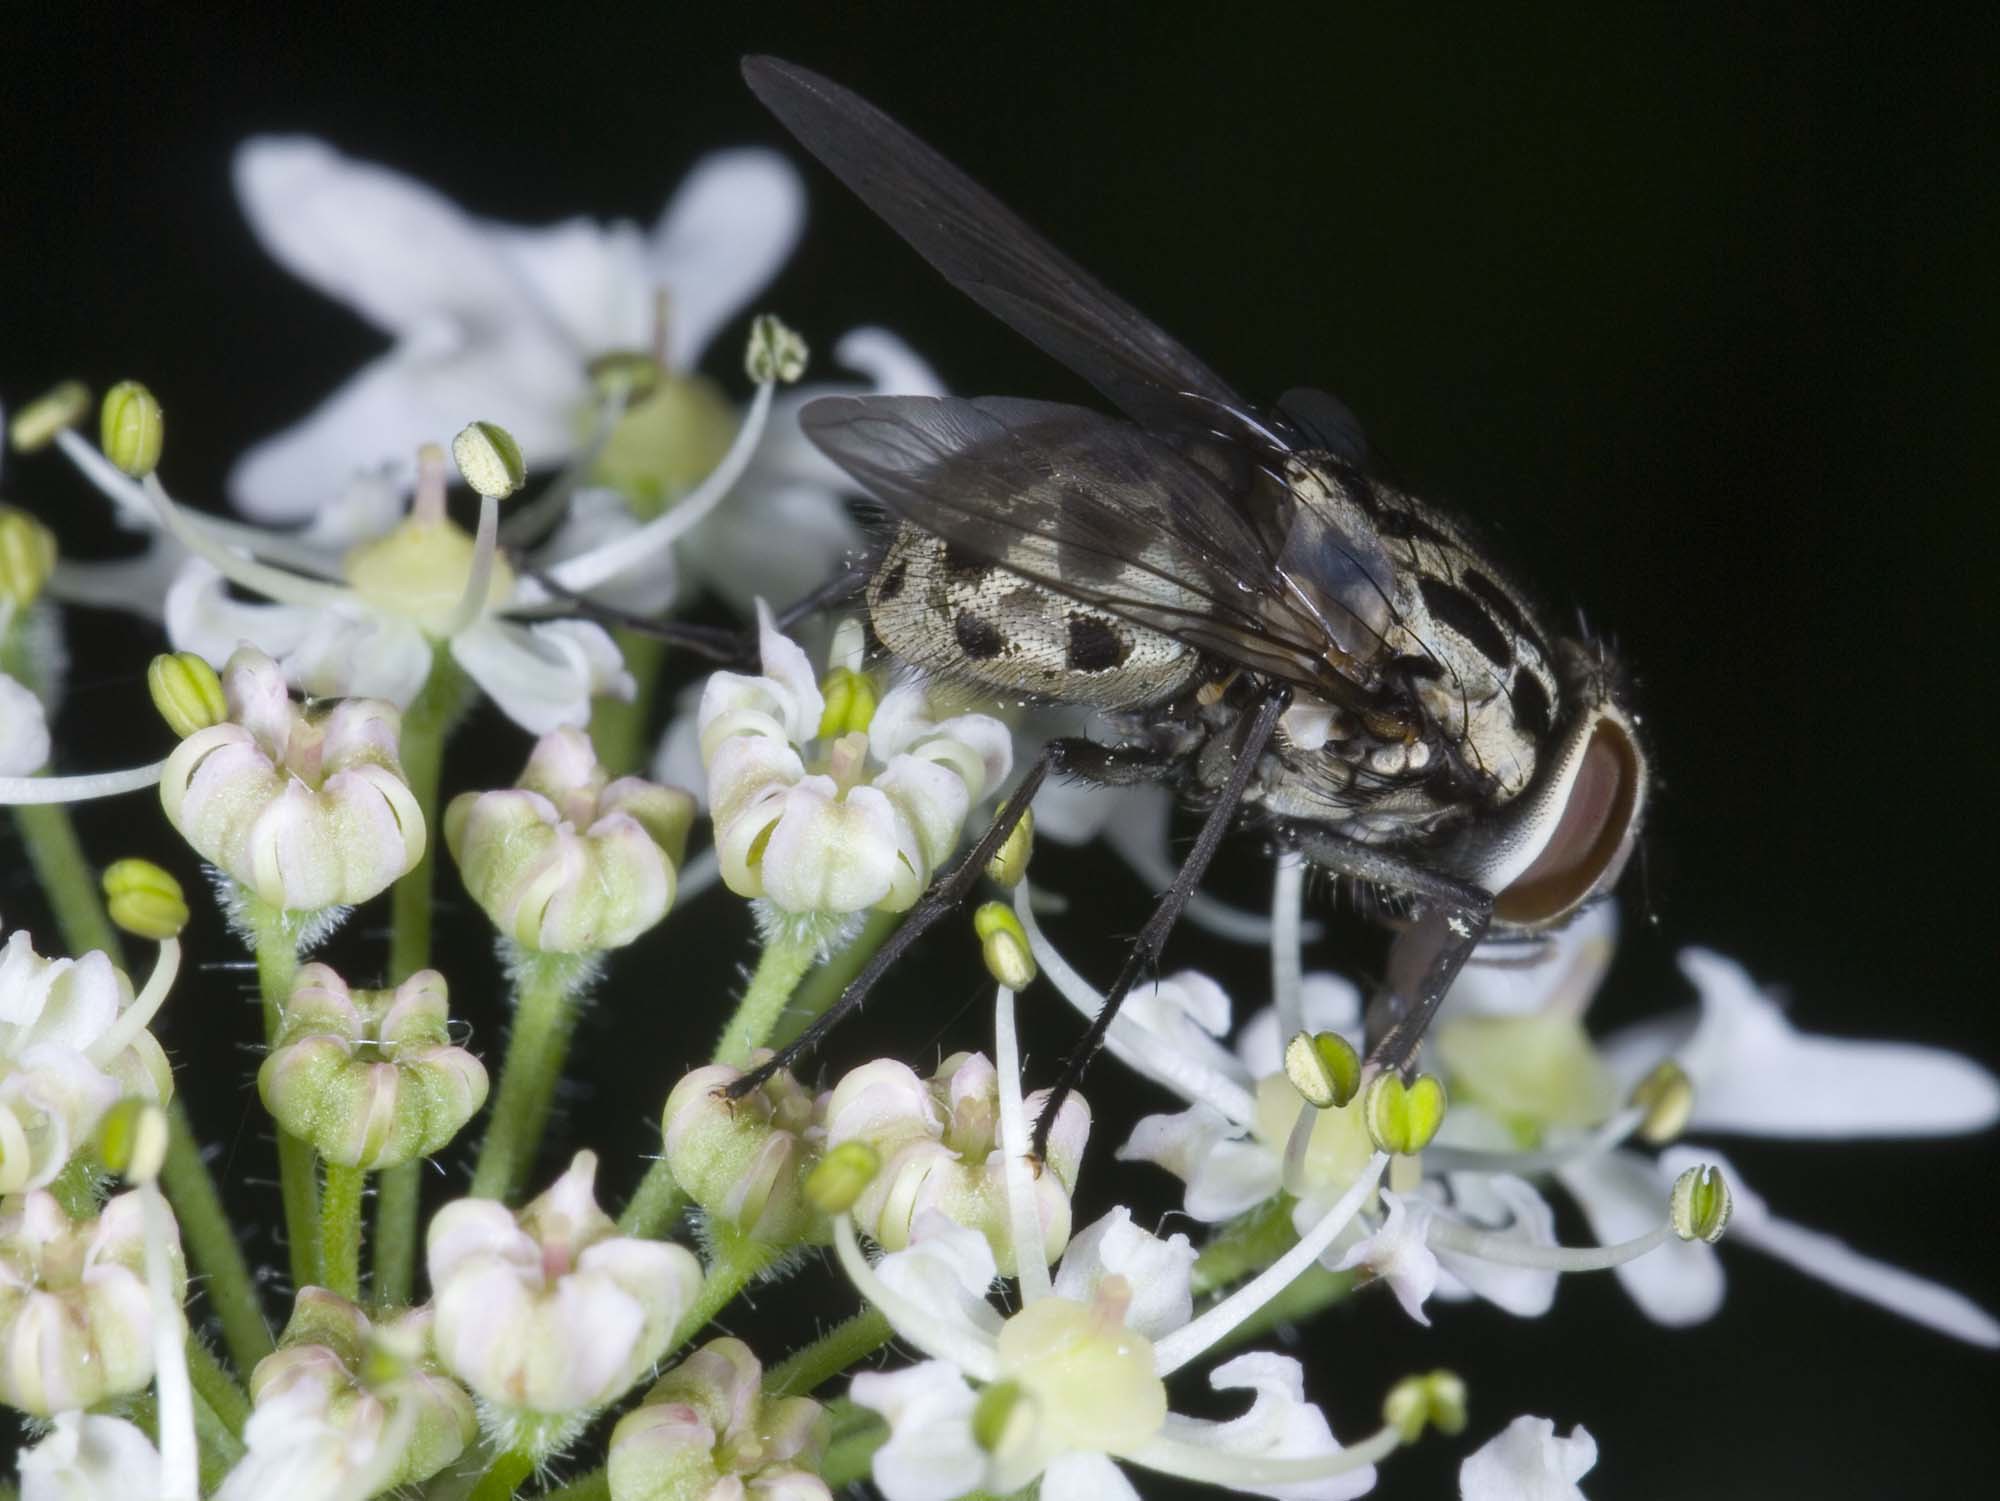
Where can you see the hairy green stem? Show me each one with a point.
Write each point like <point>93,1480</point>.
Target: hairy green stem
<point>823,986</point>
<point>398,1198</point>
<point>1312,1294</point>
<point>783,965</point>
<point>426,724</point>
<point>617,728</point>
<point>343,1190</point>
<point>857,1434</point>
<point>214,1384</point>
<point>736,1262</point>
<point>544,1016</point>
<point>218,1447</point>
<point>212,1245</point>
<point>1245,1246</point>
<point>298,1190</point>
<point>655,1205</point>
<point>68,880</point>
<point>504,1476</point>
<point>276,935</point>
<point>806,1370</point>
<point>593,1486</point>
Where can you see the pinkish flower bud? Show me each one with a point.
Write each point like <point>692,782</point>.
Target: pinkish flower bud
<point>744,1161</point>
<point>706,1432</point>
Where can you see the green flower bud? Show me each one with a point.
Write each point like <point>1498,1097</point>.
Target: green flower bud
<point>1323,1068</point>
<point>490,459</point>
<point>132,1139</point>
<point>145,900</point>
<point>707,1431</point>
<point>850,702</point>
<point>1419,1402</point>
<point>131,428</point>
<point>27,557</point>
<point>625,376</point>
<point>744,1161</point>
<point>1010,861</point>
<point>668,441</point>
<point>1003,944</point>
<point>36,424</point>
<point>776,353</point>
<point>1701,1204</point>
<point>1402,1118</point>
<point>1667,1097</point>
<point>842,1175</point>
<point>187,692</point>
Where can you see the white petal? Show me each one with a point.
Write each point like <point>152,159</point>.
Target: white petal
<point>1525,1461</point>
<point>597,518</point>
<point>1755,1073</point>
<point>542,677</point>
<point>891,367</point>
<point>24,730</point>
<point>136,585</point>
<point>1280,1424</point>
<point>1497,1200</point>
<point>1396,1254</point>
<point>1623,1196</point>
<point>591,280</point>
<point>1832,1261</point>
<point>202,618</point>
<point>361,655</point>
<point>1506,979</point>
<point>1085,1477</point>
<point>723,236</point>
<point>1157,1271</point>
<point>931,1454</point>
<point>945,1271</point>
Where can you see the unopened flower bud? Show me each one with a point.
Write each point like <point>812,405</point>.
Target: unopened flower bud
<point>841,1176</point>
<point>1419,1402</point>
<point>625,376</point>
<point>1003,1410</point>
<point>1701,1204</point>
<point>144,900</point>
<point>187,692</point>
<point>132,1139</point>
<point>568,861</point>
<point>1003,944</point>
<point>776,353</point>
<point>1010,861</point>
<point>1402,1118</point>
<point>369,1077</point>
<point>76,1320</point>
<point>850,702</point>
<point>36,424</point>
<point>707,1432</point>
<point>550,1314</point>
<point>361,1381</point>
<point>1323,1068</point>
<point>744,1161</point>
<point>27,557</point>
<point>131,428</point>
<point>490,459</point>
<point>1667,1097</point>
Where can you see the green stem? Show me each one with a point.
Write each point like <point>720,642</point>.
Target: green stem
<point>544,1016</point>
<point>618,729</point>
<point>805,1371</point>
<point>857,1434</point>
<point>656,1204</point>
<point>736,1261</point>
<point>68,880</point>
<point>1315,1291</point>
<point>217,1387</point>
<point>421,750</point>
<point>340,1229</point>
<point>1246,1245</point>
<point>275,933</point>
<point>504,1476</point>
<point>298,1188</point>
<point>594,1486</point>
<point>211,1243</point>
<point>779,971</point>
<point>219,1448</point>
<point>824,985</point>
<point>398,1197</point>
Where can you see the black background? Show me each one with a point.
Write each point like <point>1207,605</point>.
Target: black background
<point>1692,308</point>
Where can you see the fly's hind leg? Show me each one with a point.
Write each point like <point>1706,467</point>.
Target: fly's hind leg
<point>717,643</point>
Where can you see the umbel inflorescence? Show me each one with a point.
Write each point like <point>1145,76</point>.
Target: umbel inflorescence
<point>313,650</point>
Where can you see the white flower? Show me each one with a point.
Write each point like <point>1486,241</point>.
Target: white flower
<point>24,730</point>
<point>1525,1461</point>
<point>490,320</point>
<point>90,1458</point>
<point>876,815</point>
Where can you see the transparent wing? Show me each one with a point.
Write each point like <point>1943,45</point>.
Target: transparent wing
<point>985,250</point>
<point>1094,509</point>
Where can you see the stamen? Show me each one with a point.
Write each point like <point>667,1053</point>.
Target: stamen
<point>1133,841</point>
<point>1127,1039</point>
<point>1612,1133</point>
<point>972,1355</point>
<point>1288,887</point>
<point>479,579</point>
<point>602,564</point>
<point>1489,1245</point>
<point>531,518</point>
<point>1024,1219</point>
<point>133,1019</point>
<point>427,499</point>
<point>273,583</point>
<point>1297,1144</point>
<point>1191,1339</point>
<point>179,1469</point>
<point>1216,1466</point>
<point>15,791</point>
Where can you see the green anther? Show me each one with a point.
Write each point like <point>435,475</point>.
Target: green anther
<point>132,1139</point>
<point>1323,1068</point>
<point>490,459</point>
<point>131,428</point>
<point>1667,1097</point>
<point>841,1176</point>
<point>1010,861</point>
<point>27,557</point>
<point>1701,1204</point>
<point>144,900</point>
<point>625,376</point>
<point>995,1413</point>
<point>36,424</point>
<point>187,692</point>
<point>776,352</point>
<point>850,702</point>
<point>1402,1118</point>
<point>1003,944</point>
<point>1419,1402</point>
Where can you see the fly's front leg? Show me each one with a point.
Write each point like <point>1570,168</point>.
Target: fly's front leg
<point>717,643</point>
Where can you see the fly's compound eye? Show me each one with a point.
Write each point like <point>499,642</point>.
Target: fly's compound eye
<point>1595,802</point>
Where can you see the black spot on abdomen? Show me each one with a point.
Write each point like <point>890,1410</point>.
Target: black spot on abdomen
<point>980,640</point>
<point>1531,704</point>
<point>1452,606</point>
<point>962,565</point>
<point>1503,609</point>
<point>890,584</point>
<point>1094,645</point>
<point>1403,526</point>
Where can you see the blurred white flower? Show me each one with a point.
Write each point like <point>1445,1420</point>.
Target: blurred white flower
<point>1525,1461</point>
<point>85,1457</point>
<point>24,730</point>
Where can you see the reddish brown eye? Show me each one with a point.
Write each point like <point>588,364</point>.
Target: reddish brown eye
<point>1592,837</point>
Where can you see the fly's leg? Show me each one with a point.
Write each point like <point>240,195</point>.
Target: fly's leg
<point>1451,918</point>
<point>1153,936</point>
<point>717,643</point>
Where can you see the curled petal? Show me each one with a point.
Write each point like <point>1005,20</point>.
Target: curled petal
<point>1623,1197</point>
<point>1525,1461</point>
<point>1158,1271</point>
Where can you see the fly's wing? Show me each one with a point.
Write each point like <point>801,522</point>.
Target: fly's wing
<point>1092,508</point>
<point>1323,421</point>
<point>985,251</point>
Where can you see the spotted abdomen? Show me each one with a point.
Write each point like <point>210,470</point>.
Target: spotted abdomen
<point>965,618</point>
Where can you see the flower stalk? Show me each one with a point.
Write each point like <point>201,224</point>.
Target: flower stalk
<point>782,966</point>
<point>548,988</point>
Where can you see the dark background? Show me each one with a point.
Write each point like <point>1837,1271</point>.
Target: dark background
<point>1692,308</point>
